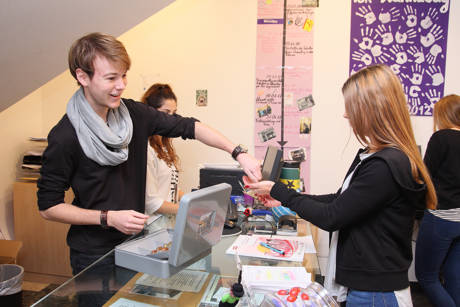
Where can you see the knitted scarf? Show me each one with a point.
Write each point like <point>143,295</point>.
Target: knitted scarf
<point>104,143</point>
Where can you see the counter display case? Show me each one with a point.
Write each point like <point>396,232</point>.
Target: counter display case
<point>105,284</point>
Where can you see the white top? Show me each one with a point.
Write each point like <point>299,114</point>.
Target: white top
<point>452,215</point>
<point>330,284</point>
<point>161,183</point>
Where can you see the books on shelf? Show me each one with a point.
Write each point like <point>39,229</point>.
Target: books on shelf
<point>31,161</point>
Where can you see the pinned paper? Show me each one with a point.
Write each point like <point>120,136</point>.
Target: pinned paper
<point>201,98</point>
<point>288,98</point>
<point>308,25</point>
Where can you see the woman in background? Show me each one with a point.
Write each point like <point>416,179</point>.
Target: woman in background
<point>372,214</point>
<point>162,193</point>
<point>438,243</point>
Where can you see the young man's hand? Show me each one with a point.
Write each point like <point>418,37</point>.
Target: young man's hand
<point>127,221</point>
<point>251,166</point>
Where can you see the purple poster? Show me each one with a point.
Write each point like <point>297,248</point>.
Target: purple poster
<point>410,37</point>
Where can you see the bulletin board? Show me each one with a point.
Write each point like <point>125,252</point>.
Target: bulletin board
<point>284,69</point>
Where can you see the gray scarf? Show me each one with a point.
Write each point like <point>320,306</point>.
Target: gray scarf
<point>106,144</point>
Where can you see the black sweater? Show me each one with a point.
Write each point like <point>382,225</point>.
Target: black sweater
<point>120,187</point>
<point>375,216</point>
<point>442,158</point>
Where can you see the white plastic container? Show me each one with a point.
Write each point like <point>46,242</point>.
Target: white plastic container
<point>313,296</point>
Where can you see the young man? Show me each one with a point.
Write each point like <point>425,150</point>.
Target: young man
<point>99,150</point>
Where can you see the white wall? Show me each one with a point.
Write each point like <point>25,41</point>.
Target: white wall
<point>194,45</point>
<point>209,44</point>
<point>17,123</point>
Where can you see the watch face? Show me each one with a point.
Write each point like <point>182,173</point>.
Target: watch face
<point>238,149</point>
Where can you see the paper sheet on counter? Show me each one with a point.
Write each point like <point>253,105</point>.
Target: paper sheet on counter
<point>186,280</point>
<point>293,247</point>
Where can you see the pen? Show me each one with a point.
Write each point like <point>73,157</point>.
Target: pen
<point>272,248</point>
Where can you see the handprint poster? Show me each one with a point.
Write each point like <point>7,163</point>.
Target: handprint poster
<point>284,69</point>
<point>408,36</point>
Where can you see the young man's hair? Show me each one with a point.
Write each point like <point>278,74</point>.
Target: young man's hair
<point>446,113</point>
<point>377,109</point>
<point>83,52</point>
<point>155,97</point>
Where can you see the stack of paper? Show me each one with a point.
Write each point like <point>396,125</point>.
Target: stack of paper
<point>292,248</point>
<point>274,278</point>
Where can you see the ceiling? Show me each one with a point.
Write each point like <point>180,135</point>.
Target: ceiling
<point>35,36</point>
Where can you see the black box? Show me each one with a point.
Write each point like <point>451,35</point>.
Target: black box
<point>214,175</point>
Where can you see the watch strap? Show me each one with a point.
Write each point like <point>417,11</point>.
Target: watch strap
<point>103,219</point>
<point>238,150</point>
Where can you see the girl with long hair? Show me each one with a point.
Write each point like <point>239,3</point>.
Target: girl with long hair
<point>162,193</point>
<point>372,214</point>
<point>438,243</point>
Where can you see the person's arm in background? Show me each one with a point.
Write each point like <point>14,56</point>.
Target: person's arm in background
<point>212,137</point>
<point>180,193</point>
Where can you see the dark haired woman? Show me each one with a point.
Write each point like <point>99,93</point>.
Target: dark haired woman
<point>162,193</point>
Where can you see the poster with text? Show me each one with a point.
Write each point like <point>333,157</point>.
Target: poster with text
<point>408,36</point>
<point>284,100</point>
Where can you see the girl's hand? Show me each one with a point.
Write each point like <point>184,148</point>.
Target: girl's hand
<point>268,201</point>
<point>261,190</point>
<point>261,187</point>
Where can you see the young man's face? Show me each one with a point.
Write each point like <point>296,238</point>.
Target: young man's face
<point>104,89</point>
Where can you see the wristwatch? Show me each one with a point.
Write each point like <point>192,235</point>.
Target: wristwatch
<point>238,150</point>
<point>104,219</point>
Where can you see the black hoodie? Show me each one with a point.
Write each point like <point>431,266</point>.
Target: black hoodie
<point>375,216</point>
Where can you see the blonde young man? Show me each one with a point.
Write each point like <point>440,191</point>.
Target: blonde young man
<point>98,149</point>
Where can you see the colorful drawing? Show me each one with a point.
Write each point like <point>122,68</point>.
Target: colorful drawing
<point>271,247</point>
<point>411,38</point>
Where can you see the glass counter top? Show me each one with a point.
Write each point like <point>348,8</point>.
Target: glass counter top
<point>105,284</point>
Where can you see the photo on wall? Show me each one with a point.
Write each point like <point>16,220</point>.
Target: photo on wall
<point>266,134</point>
<point>201,98</point>
<point>298,154</point>
<point>305,102</point>
<point>305,125</point>
<point>264,111</point>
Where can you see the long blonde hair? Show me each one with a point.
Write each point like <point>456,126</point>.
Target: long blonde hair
<point>446,113</point>
<point>376,106</point>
